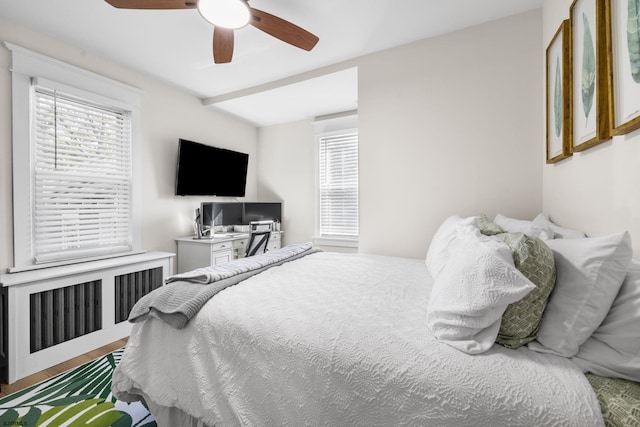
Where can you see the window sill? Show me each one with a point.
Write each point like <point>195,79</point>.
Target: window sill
<point>340,241</point>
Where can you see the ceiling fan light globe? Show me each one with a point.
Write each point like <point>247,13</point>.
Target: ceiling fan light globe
<point>230,14</point>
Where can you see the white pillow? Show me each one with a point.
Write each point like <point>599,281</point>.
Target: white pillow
<point>614,348</point>
<point>439,247</point>
<point>529,228</point>
<point>472,290</point>
<point>590,272</point>
<point>559,232</point>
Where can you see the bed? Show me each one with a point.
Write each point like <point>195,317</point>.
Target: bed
<point>337,339</point>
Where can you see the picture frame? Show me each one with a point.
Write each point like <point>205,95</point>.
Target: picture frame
<point>624,62</point>
<point>558,105</point>
<point>591,96</point>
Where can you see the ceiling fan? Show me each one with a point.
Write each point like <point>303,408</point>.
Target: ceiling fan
<point>226,16</point>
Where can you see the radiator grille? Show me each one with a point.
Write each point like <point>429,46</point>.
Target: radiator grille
<point>62,314</point>
<point>4,336</point>
<point>133,286</point>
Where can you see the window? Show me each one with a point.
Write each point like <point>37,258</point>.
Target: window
<point>337,211</point>
<point>82,177</point>
<point>338,187</point>
<point>75,152</point>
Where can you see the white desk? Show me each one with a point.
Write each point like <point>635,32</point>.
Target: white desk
<point>224,247</point>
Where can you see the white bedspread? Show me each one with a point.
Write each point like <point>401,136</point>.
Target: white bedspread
<point>341,340</point>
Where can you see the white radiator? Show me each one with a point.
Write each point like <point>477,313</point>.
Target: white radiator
<point>54,314</point>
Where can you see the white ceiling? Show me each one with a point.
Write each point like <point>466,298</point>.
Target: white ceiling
<point>266,83</point>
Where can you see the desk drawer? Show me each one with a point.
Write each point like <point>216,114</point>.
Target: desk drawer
<point>221,246</point>
<point>221,257</point>
<point>274,242</point>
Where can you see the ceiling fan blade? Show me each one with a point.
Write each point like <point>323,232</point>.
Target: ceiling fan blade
<point>153,4</point>
<point>283,30</point>
<point>222,45</point>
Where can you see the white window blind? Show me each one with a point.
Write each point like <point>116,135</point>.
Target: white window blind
<point>82,178</point>
<point>338,184</point>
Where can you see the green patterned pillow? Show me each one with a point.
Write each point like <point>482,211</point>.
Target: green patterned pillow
<point>487,227</point>
<point>619,400</point>
<point>534,259</point>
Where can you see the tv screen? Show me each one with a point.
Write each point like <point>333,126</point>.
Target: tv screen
<point>215,213</point>
<point>262,211</point>
<point>203,170</point>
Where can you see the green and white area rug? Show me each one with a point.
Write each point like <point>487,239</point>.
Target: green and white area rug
<point>79,397</point>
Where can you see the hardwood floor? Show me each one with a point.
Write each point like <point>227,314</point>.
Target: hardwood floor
<point>7,389</point>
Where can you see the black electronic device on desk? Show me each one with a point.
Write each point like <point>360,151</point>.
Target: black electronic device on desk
<point>262,211</point>
<point>228,214</point>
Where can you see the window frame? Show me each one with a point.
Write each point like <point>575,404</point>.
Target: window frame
<point>28,70</point>
<point>323,127</point>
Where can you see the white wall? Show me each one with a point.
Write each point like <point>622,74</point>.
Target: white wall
<point>595,190</point>
<point>286,173</point>
<point>448,125</point>
<point>167,114</point>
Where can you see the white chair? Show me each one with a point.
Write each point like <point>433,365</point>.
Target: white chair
<point>258,243</point>
<point>259,238</point>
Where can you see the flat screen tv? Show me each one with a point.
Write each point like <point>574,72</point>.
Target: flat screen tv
<point>204,170</point>
<point>216,213</point>
<point>262,211</point>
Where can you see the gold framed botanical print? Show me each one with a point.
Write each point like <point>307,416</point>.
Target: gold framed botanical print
<point>623,19</point>
<point>590,90</point>
<point>558,104</point>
